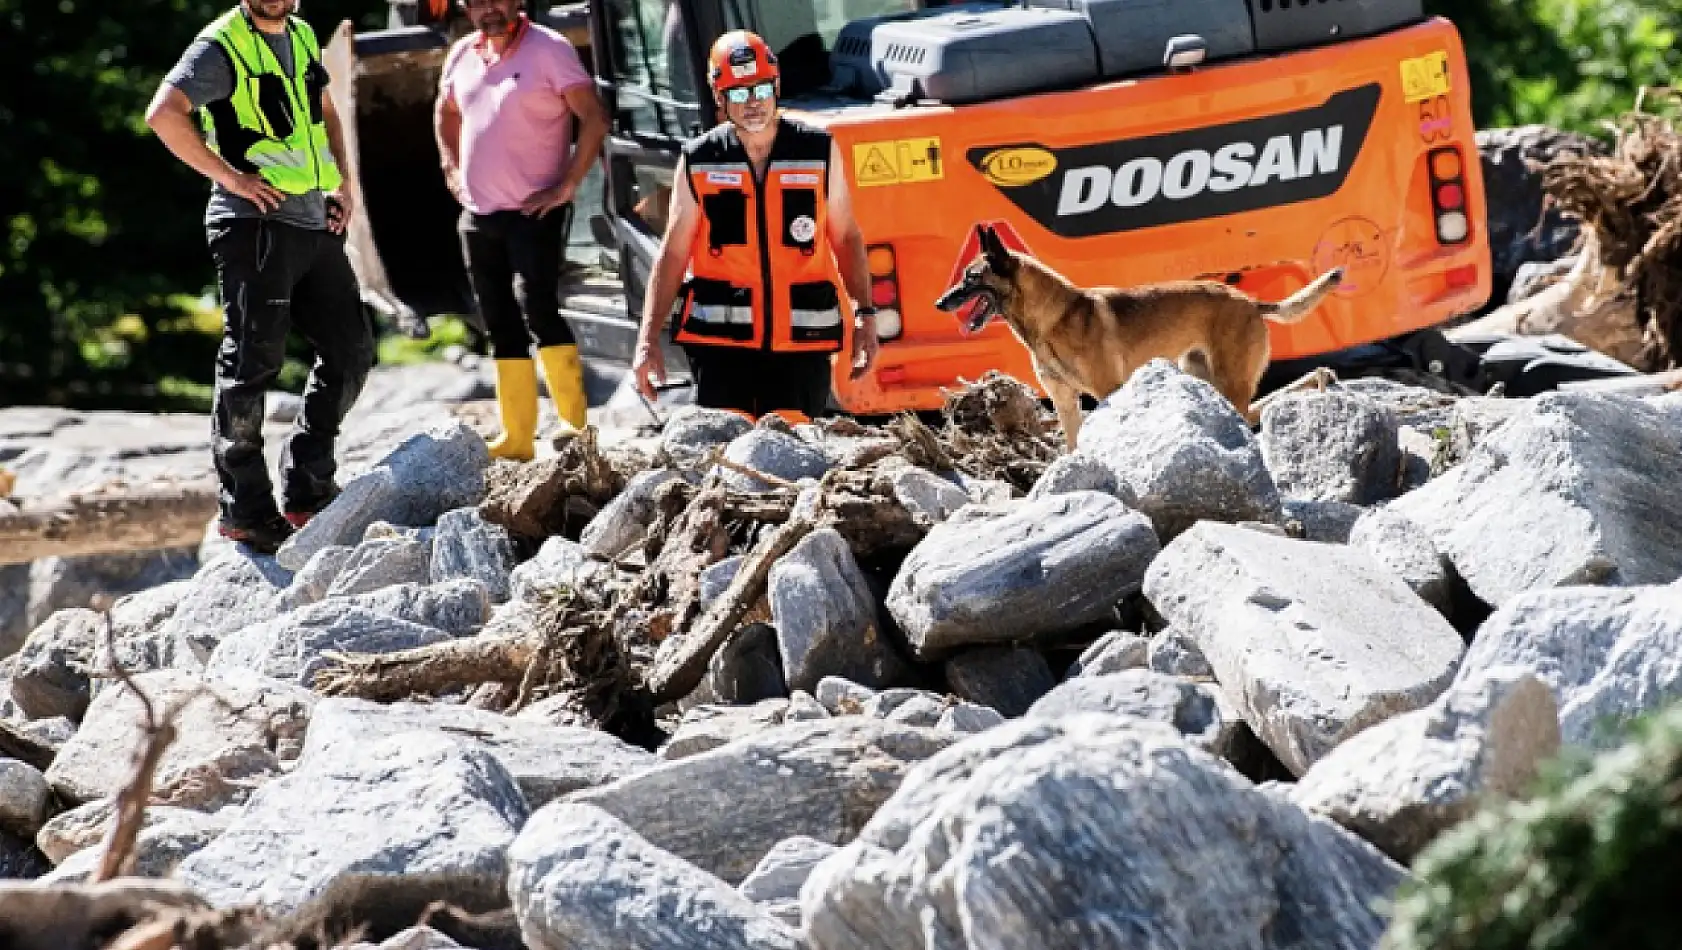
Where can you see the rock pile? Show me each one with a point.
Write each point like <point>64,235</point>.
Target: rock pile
<point>836,685</point>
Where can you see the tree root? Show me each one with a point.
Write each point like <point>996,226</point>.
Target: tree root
<point>552,496</point>
<point>682,661</point>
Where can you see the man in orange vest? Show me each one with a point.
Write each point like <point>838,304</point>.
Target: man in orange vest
<point>762,221</point>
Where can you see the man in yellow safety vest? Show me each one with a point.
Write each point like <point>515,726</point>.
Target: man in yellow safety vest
<point>273,149</point>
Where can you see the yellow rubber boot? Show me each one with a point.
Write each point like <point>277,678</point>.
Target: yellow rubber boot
<point>565,374</point>
<point>516,402</point>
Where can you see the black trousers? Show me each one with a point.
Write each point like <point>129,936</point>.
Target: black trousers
<point>514,266</point>
<point>274,277</point>
<point>757,382</point>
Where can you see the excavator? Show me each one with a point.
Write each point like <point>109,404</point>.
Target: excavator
<point>1256,142</point>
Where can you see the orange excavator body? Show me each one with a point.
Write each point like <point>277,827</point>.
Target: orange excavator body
<point>1361,155</point>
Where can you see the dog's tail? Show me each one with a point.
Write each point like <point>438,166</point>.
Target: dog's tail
<point>1293,308</point>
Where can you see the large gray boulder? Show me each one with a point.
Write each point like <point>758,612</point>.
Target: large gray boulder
<point>1326,521</point>
<point>469,547</point>
<point>559,563</point>
<point>429,473</point>
<point>1406,780</point>
<point>1020,570</point>
<point>773,453</point>
<point>51,674</point>
<point>362,501</point>
<point>1608,655</point>
<point>623,522</point>
<point>137,629</point>
<point>1576,488</point>
<point>294,647</point>
<point>775,884</point>
<point>1311,642</point>
<point>24,798</point>
<point>165,840</point>
<point>1093,832</point>
<point>382,562</point>
<point>692,431</point>
<point>1400,544</point>
<point>312,581</point>
<point>580,877</point>
<point>228,594</point>
<point>1332,446</point>
<point>1177,654</point>
<point>418,809</point>
<point>825,616</point>
<point>925,494</point>
<point>547,761</point>
<point>1183,451</point>
<point>725,808</point>
<point>231,731</point>
<point>1192,708</point>
<point>1113,652</point>
<point>1077,472</point>
<point>707,726</point>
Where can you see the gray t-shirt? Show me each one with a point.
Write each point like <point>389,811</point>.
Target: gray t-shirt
<point>203,75</point>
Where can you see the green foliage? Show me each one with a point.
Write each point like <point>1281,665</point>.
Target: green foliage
<point>1592,861</point>
<point>397,349</point>
<point>100,226</point>
<point>1572,64</point>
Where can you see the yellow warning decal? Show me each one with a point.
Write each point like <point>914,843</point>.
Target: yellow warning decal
<point>898,161</point>
<point>1425,77</point>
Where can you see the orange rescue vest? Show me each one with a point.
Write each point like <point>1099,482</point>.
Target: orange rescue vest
<point>762,275</point>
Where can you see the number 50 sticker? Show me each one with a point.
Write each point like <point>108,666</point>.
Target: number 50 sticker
<point>1436,120</point>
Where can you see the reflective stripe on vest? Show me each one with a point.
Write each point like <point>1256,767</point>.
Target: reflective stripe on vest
<point>273,123</point>
<point>756,242</point>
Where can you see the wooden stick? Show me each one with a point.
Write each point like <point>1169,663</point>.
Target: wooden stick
<point>775,481</point>
<point>114,520</point>
<point>681,661</point>
<point>118,859</point>
<point>431,669</point>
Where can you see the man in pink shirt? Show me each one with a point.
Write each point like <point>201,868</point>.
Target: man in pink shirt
<point>506,103</point>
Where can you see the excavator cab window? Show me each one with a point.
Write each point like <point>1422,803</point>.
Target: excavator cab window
<point>651,68</point>
<point>803,32</point>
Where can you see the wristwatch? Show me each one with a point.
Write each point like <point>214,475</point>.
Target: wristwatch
<point>865,311</point>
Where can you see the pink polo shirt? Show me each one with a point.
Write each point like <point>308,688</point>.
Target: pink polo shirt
<point>516,128</point>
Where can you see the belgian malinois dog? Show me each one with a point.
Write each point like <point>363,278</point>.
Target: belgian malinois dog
<point>1090,340</point>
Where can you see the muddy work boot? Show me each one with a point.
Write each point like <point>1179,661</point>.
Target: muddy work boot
<point>299,514</point>
<point>264,537</point>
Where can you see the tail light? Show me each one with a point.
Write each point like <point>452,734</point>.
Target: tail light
<point>1448,195</point>
<point>884,291</point>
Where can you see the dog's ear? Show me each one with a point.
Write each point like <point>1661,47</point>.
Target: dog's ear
<point>998,258</point>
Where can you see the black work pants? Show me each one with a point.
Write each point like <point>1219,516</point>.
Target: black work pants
<point>514,266</point>
<point>759,381</point>
<point>274,277</point>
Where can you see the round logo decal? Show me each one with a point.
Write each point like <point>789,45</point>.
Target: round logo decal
<point>1358,246</point>
<point>803,228</point>
<point>1009,167</point>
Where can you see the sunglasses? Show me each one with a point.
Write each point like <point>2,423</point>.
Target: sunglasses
<point>739,94</point>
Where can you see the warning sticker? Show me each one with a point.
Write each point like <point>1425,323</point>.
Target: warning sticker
<point>898,161</point>
<point>1425,77</point>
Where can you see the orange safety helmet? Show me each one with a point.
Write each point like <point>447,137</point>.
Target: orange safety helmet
<point>741,58</point>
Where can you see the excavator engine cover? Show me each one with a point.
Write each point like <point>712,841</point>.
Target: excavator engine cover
<point>1132,35</point>
<point>978,56</point>
<point>1294,24</point>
